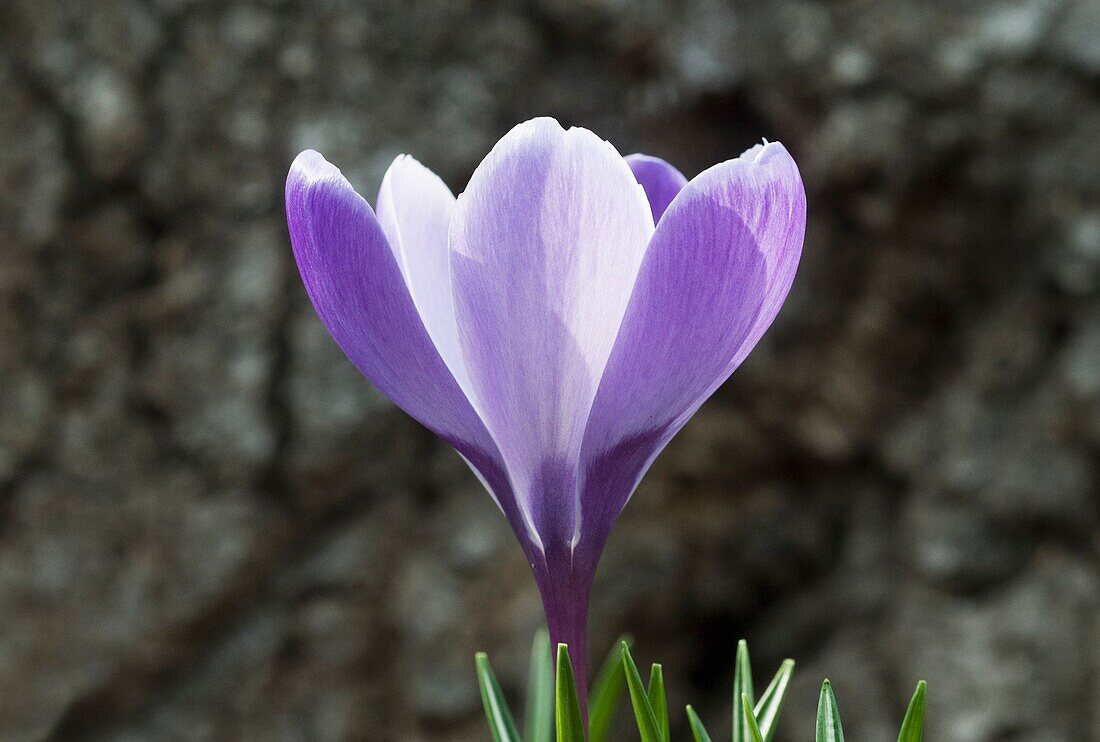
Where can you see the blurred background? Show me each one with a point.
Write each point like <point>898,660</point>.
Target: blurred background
<point>211,528</point>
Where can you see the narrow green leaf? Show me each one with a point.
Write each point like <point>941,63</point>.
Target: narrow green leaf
<point>568,722</point>
<point>697,727</point>
<point>912,729</point>
<point>828,716</point>
<point>501,725</point>
<point>771,703</point>
<point>742,685</point>
<point>538,715</point>
<point>604,698</point>
<point>656,694</point>
<point>750,719</point>
<point>647,722</point>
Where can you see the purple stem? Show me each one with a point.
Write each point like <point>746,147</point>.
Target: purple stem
<point>565,585</point>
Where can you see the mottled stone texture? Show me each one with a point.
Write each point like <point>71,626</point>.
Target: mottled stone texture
<point>212,529</point>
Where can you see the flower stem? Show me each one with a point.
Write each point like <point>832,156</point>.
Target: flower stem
<point>565,591</point>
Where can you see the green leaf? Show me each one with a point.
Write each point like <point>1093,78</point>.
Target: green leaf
<point>501,725</point>
<point>567,707</point>
<point>697,727</point>
<point>656,694</point>
<point>647,722</point>
<point>742,686</point>
<point>828,716</point>
<point>538,715</point>
<point>750,719</point>
<point>606,691</point>
<point>912,729</point>
<point>771,703</point>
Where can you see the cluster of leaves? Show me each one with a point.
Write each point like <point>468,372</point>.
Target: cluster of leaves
<point>553,713</point>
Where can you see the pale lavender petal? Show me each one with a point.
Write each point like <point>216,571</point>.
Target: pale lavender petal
<point>414,209</point>
<point>717,271</point>
<point>356,286</point>
<point>546,243</point>
<point>661,181</point>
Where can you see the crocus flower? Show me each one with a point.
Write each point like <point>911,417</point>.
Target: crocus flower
<point>558,322</point>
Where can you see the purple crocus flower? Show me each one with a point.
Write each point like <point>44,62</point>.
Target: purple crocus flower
<point>558,322</point>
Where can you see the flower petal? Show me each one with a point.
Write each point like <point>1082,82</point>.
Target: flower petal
<point>354,281</point>
<point>414,210</point>
<point>661,181</point>
<point>545,247</point>
<point>717,271</point>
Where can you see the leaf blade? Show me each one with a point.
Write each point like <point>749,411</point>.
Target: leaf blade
<point>697,728</point>
<point>750,719</point>
<point>742,686</point>
<point>828,716</point>
<point>501,726</point>
<point>567,707</point>
<point>643,712</point>
<point>771,703</point>
<point>657,702</point>
<point>912,728</point>
<point>606,692</point>
<point>538,713</point>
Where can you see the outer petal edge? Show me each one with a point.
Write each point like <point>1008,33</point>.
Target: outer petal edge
<point>355,283</point>
<point>718,269</point>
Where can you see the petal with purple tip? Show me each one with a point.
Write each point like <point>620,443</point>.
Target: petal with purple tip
<point>661,181</point>
<point>717,271</point>
<point>546,242</point>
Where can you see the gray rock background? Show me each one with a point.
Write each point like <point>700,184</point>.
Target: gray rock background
<point>212,529</point>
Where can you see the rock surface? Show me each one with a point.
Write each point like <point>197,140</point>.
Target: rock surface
<point>212,529</point>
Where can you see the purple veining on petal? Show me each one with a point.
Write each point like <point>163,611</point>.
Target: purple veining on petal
<point>661,181</point>
<point>354,281</point>
<point>718,268</point>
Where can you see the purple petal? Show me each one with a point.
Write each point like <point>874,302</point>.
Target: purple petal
<point>545,247</point>
<point>717,271</point>
<point>414,210</point>
<point>661,181</point>
<point>354,281</point>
